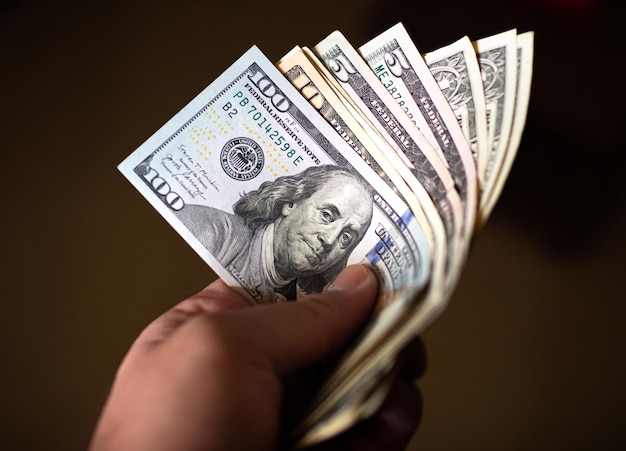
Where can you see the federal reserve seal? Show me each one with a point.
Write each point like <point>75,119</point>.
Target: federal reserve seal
<point>242,158</point>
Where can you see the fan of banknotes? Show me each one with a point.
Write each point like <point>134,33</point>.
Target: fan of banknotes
<point>280,175</point>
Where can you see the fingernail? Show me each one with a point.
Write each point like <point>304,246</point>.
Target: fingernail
<point>350,278</point>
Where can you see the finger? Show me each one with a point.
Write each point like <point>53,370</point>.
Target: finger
<point>391,428</point>
<point>296,334</point>
<point>216,297</point>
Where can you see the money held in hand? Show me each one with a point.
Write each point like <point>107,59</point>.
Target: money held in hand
<point>247,174</point>
<point>279,186</point>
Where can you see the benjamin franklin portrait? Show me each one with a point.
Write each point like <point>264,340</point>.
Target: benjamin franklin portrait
<point>292,235</point>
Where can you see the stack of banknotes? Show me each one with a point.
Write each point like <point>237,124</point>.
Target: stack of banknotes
<point>280,175</point>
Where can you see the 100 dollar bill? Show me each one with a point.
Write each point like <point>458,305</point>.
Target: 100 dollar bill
<point>277,203</point>
<point>236,169</point>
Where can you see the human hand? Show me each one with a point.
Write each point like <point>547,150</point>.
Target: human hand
<point>210,373</point>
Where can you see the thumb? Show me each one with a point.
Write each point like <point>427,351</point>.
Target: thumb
<point>294,335</point>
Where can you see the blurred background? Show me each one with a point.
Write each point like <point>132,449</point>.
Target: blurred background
<point>528,355</point>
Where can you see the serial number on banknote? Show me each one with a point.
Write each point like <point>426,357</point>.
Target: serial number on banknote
<point>260,119</point>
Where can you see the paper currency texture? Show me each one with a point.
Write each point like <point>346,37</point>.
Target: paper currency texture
<point>248,175</point>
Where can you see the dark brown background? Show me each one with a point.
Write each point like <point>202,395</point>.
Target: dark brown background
<point>529,354</point>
